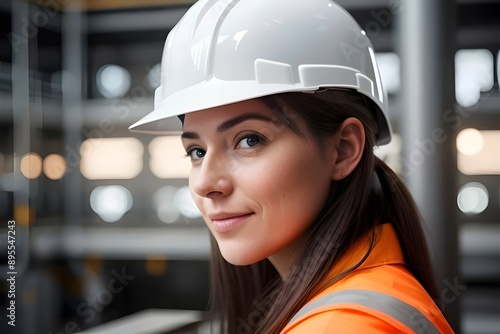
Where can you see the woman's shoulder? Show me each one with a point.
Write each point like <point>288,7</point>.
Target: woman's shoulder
<point>342,320</point>
<point>381,299</point>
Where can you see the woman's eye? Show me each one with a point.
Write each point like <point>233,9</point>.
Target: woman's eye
<point>249,141</point>
<point>195,153</point>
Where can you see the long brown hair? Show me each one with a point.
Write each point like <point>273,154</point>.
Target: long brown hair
<point>254,298</point>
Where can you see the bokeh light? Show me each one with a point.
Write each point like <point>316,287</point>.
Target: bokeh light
<point>111,202</point>
<point>111,158</point>
<point>473,75</point>
<point>168,159</point>
<point>166,209</point>
<point>156,265</point>
<point>54,166</point>
<point>31,165</point>
<point>184,202</point>
<point>473,198</point>
<point>389,67</point>
<point>153,78</point>
<point>478,152</point>
<point>113,81</point>
<point>470,141</point>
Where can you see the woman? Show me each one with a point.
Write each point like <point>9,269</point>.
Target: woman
<point>281,104</point>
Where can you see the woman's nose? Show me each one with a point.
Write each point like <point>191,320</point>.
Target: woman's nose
<point>213,178</point>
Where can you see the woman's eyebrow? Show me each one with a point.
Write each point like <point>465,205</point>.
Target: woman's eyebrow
<point>190,135</point>
<point>226,125</point>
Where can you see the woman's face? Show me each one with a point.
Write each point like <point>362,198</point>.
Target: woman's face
<point>258,184</point>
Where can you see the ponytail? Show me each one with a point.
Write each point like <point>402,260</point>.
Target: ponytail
<point>402,212</point>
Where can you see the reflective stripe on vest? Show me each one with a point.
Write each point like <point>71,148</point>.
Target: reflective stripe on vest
<point>397,309</point>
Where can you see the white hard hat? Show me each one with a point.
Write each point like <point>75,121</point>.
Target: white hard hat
<point>227,51</point>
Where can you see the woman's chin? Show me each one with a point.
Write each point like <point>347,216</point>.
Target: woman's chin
<point>240,259</point>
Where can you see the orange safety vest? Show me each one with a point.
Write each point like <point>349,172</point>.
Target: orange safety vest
<point>380,296</point>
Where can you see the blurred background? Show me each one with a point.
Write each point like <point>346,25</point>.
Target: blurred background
<point>105,229</point>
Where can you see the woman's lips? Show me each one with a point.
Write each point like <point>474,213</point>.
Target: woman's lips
<point>223,223</point>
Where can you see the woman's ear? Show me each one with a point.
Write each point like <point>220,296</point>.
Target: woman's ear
<point>349,146</point>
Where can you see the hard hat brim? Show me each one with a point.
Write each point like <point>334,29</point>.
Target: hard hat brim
<point>206,95</point>
<point>201,96</point>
